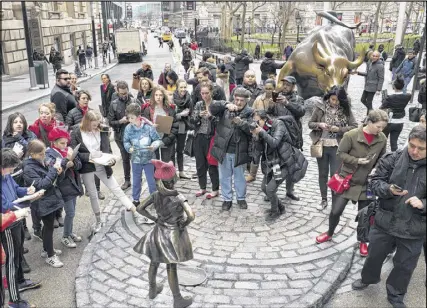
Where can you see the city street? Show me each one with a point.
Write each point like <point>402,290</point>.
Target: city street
<point>249,263</point>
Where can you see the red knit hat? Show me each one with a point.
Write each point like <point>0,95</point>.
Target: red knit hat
<point>57,133</point>
<point>164,171</point>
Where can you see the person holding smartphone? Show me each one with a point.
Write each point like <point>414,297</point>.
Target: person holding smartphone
<point>359,151</point>
<point>399,182</point>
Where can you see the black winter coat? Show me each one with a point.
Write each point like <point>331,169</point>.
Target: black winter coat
<point>393,215</point>
<point>396,103</point>
<point>75,116</point>
<point>275,147</point>
<point>268,67</point>
<point>145,73</point>
<point>43,178</point>
<point>84,154</point>
<point>107,98</point>
<point>181,104</point>
<point>64,101</point>
<point>231,69</point>
<point>116,112</point>
<point>256,90</point>
<point>218,94</point>
<point>68,181</point>
<point>398,57</point>
<point>242,64</point>
<point>226,129</point>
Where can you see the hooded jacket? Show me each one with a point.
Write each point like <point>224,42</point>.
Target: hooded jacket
<point>64,101</point>
<point>226,129</point>
<point>393,215</point>
<point>44,177</point>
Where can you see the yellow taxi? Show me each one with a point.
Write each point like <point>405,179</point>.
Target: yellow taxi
<point>166,36</point>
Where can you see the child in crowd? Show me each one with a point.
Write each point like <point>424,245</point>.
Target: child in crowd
<point>44,176</point>
<point>141,140</point>
<point>12,235</point>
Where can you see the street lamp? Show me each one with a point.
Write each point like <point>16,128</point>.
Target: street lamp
<point>298,21</point>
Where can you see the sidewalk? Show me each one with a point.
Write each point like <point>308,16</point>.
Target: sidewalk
<point>13,85</point>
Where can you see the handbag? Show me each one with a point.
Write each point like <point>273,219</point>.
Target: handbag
<point>340,184</point>
<point>415,114</point>
<point>135,83</point>
<point>189,149</point>
<point>316,150</point>
<point>211,160</point>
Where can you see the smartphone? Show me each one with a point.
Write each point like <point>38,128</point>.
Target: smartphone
<point>397,188</point>
<point>371,156</point>
<point>275,95</point>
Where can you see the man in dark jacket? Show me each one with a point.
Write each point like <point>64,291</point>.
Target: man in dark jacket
<point>118,121</point>
<point>250,84</point>
<point>186,57</point>
<point>280,161</point>
<point>242,61</point>
<point>407,69</point>
<point>269,66</point>
<point>288,51</point>
<point>400,221</point>
<point>218,93</point>
<point>208,62</point>
<point>417,46</point>
<point>398,57</point>
<point>61,95</point>
<point>231,146</point>
<point>374,79</point>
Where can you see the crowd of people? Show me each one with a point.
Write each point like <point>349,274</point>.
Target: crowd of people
<point>230,123</point>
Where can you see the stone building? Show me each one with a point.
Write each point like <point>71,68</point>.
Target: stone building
<point>63,25</point>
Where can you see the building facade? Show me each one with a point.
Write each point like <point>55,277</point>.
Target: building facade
<point>62,25</point>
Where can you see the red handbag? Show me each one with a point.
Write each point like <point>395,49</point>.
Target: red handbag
<point>211,160</point>
<point>339,184</point>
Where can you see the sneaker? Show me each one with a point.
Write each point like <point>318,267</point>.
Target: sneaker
<point>68,242</point>
<point>125,185</point>
<point>27,284</point>
<point>136,203</point>
<point>54,261</point>
<point>226,205</point>
<point>322,205</point>
<point>20,304</point>
<point>38,234</point>
<point>182,302</point>
<point>76,238</point>
<point>272,216</point>
<point>60,221</point>
<point>359,285</point>
<point>322,238</point>
<point>292,196</point>
<point>56,251</point>
<point>242,204</point>
<point>101,196</point>
<point>97,227</point>
<point>27,234</point>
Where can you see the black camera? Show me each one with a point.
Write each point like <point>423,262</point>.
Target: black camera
<point>232,114</point>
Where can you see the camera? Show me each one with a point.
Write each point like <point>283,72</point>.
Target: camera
<point>277,172</point>
<point>275,95</point>
<point>232,114</point>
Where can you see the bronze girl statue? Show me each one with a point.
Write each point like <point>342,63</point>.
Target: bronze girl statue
<point>168,242</point>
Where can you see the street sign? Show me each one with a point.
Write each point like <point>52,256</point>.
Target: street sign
<point>191,5</point>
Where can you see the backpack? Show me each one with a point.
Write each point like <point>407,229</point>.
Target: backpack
<point>294,131</point>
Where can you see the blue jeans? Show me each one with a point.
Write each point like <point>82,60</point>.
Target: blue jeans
<point>137,179</point>
<point>226,172</point>
<point>407,81</point>
<point>70,211</point>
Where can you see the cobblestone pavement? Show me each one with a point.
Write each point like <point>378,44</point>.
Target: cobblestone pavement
<point>249,263</point>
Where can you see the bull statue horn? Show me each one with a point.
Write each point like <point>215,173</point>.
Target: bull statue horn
<point>335,20</point>
<point>317,57</point>
<point>356,63</point>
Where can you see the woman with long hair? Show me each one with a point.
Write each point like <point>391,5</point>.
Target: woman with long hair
<point>159,105</point>
<point>359,150</point>
<point>146,86</point>
<point>94,141</point>
<point>204,130</point>
<point>107,91</point>
<point>331,118</point>
<point>171,78</point>
<point>182,101</point>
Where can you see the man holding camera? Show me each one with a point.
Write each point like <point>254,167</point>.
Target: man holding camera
<point>400,220</point>
<point>279,159</point>
<point>231,145</point>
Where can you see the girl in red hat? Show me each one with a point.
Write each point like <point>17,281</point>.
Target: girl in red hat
<point>168,242</point>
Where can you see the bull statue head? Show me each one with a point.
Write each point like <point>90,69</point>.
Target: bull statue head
<point>332,70</point>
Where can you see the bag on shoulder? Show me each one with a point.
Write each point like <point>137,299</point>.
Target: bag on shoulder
<point>316,150</point>
<point>339,184</point>
<point>415,114</point>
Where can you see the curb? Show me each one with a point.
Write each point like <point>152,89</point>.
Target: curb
<point>26,102</point>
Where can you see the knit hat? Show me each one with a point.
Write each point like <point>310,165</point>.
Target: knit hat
<point>290,79</point>
<point>164,171</point>
<point>57,133</point>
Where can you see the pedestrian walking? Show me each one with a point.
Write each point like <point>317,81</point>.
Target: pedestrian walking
<point>359,150</point>
<point>242,61</point>
<point>398,57</point>
<point>407,69</point>
<point>107,91</point>
<point>204,130</point>
<point>141,140</point>
<point>89,55</point>
<point>231,145</point>
<point>399,183</point>
<point>269,67</point>
<point>395,105</point>
<point>374,79</point>
<point>331,119</point>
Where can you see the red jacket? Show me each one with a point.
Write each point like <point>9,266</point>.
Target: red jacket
<point>194,46</point>
<point>6,220</point>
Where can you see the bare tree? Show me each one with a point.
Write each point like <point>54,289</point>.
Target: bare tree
<point>228,9</point>
<point>255,7</point>
<point>276,20</point>
<point>336,5</point>
<point>377,14</point>
<point>242,38</point>
<point>287,10</point>
<point>408,13</point>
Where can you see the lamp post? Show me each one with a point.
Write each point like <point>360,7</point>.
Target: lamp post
<point>95,51</point>
<point>32,70</point>
<point>298,21</point>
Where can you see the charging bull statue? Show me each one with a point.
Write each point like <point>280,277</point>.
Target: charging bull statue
<point>323,59</point>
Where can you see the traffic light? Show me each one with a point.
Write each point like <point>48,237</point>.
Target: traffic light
<point>191,5</point>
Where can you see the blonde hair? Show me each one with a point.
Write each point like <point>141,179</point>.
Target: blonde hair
<point>150,82</point>
<point>89,117</point>
<point>50,106</point>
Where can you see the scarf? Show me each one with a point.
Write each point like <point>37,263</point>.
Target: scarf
<point>42,130</point>
<point>104,87</point>
<point>62,152</point>
<point>84,109</point>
